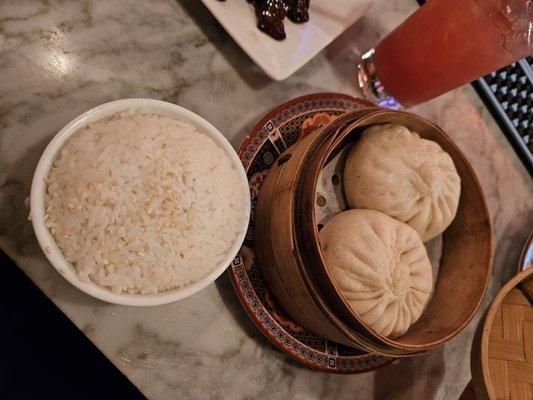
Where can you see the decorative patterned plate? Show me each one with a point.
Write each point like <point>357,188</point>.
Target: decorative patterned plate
<point>271,136</point>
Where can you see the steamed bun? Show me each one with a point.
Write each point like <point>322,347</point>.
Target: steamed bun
<point>393,170</point>
<point>380,266</point>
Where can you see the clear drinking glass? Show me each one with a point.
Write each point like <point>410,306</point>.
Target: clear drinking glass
<point>443,45</point>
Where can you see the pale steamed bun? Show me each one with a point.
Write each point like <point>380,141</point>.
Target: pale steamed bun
<point>393,170</point>
<point>380,266</point>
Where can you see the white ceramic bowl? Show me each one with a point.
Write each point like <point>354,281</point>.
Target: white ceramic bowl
<point>38,188</point>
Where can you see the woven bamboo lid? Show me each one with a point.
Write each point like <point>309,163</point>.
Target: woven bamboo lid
<point>502,359</point>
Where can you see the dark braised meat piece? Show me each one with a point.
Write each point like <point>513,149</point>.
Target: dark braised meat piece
<point>270,16</point>
<point>271,13</point>
<point>298,10</point>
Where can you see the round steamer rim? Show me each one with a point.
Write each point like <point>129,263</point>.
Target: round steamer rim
<point>308,220</point>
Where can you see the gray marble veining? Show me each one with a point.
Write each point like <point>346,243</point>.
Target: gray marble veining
<point>59,58</point>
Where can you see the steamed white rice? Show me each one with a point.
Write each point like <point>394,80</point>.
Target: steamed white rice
<point>141,203</point>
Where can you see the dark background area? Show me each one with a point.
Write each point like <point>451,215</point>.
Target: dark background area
<point>44,355</point>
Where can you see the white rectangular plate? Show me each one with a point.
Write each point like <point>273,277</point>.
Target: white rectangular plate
<point>279,59</point>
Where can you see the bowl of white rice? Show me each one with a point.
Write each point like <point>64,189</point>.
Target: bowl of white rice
<point>140,202</point>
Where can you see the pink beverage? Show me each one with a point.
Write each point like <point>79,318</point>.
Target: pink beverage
<point>446,44</point>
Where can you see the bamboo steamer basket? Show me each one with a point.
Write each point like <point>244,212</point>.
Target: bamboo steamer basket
<point>291,261</point>
<point>466,260</point>
<point>502,352</point>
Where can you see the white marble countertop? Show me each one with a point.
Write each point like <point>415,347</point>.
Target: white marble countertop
<point>58,59</point>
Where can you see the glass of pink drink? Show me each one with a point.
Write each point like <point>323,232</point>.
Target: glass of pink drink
<point>443,45</point>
